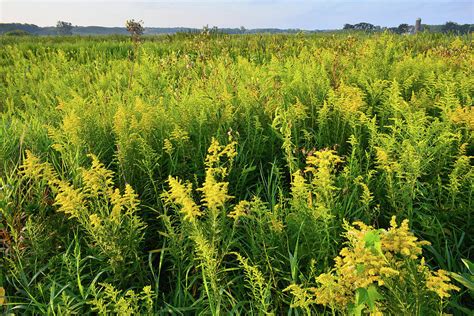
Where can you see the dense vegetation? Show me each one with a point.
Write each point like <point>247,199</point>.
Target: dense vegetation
<point>254,174</point>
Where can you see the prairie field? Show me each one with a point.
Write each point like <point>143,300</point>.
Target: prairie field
<point>212,174</point>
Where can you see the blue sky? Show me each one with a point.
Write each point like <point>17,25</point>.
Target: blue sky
<point>316,14</point>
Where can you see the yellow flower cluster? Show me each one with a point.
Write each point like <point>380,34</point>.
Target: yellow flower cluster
<point>318,193</point>
<point>178,137</point>
<point>33,168</point>
<point>438,282</point>
<point>181,194</point>
<point>2,295</point>
<point>373,256</point>
<point>214,192</point>
<point>463,115</point>
<point>95,204</point>
<point>70,200</point>
<point>399,240</point>
<point>240,210</point>
<point>97,179</point>
<point>347,100</point>
<point>95,220</point>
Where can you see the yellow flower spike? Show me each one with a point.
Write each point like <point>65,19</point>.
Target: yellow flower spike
<point>438,282</point>
<point>69,200</point>
<point>181,194</point>
<point>215,193</point>
<point>32,166</point>
<point>2,295</point>
<point>95,220</point>
<point>130,199</point>
<point>97,179</point>
<point>240,210</point>
<point>168,146</point>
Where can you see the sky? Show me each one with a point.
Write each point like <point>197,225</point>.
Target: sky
<point>302,14</point>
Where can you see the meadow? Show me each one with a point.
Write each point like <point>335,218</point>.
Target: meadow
<point>211,174</point>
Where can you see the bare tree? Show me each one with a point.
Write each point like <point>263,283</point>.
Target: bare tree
<point>135,28</point>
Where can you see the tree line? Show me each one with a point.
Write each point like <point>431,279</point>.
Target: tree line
<point>66,28</point>
<point>448,27</point>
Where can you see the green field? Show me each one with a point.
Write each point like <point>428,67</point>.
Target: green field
<point>237,174</point>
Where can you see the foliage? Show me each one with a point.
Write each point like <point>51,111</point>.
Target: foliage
<point>226,170</point>
<point>375,272</point>
<point>64,28</point>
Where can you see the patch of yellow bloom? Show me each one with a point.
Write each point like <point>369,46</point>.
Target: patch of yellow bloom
<point>2,296</point>
<point>95,220</point>
<point>168,146</point>
<point>97,179</point>
<point>372,257</point>
<point>240,210</point>
<point>181,194</point>
<point>463,115</point>
<point>399,240</point>
<point>69,200</point>
<point>316,193</point>
<point>438,282</point>
<point>214,191</point>
<point>96,206</point>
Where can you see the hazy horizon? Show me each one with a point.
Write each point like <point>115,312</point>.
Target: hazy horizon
<point>283,14</point>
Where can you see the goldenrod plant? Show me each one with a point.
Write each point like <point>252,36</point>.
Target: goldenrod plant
<point>379,272</point>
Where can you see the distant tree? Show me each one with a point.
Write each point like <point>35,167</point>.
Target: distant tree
<point>348,27</point>
<point>135,28</point>
<point>64,28</point>
<point>453,27</point>
<point>364,26</point>
<point>466,28</point>
<point>242,29</point>
<point>449,27</point>
<point>403,28</point>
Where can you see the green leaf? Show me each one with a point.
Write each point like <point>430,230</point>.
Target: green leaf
<point>469,265</point>
<point>465,279</point>
<point>361,296</point>
<point>372,242</point>
<point>373,296</point>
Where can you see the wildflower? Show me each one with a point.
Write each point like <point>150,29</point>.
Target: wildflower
<point>117,205</point>
<point>302,297</point>
<point>215,193</point>
<point>179,135</point>
<point>463,115</point>
<point>371,258</point>
<point>70,126</point>
<point>299,191</point>
<point>97,179</point>
<point>2,295</point>
<point>399,240</point>
<point>438,282</point>
<point>69,200</point>
<point>32,166</point>
<point>147,290</point>
<point>95,220</point>
<point>240,210</point>
<point>216,151</point>
<point>181,194</point>
<point>130,199</point>
<point>168,146</point>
